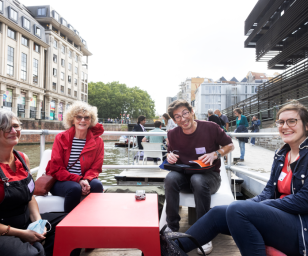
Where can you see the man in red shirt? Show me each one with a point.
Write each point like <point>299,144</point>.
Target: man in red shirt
<point>192,140</point>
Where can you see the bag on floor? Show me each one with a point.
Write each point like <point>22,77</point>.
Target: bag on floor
<point>168,246</point>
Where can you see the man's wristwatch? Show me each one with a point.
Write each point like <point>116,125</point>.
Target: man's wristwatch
<point>218,154</point>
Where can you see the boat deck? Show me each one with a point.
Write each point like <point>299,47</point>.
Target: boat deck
<point>223,245</point>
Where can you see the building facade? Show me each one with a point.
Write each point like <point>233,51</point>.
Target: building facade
<point>31,66</point>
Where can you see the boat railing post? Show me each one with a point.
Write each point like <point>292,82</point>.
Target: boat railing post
<point>228,168</point>
<point>128,149</point>
<point>42,142</point>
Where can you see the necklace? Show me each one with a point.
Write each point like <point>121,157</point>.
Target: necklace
<point>289,161</point>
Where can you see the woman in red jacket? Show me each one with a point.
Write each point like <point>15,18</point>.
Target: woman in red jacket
<point>77,155</point>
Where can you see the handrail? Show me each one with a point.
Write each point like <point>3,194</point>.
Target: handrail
<point>248,173</point>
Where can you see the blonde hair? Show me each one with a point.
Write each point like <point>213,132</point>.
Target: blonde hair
<point>76,108</point>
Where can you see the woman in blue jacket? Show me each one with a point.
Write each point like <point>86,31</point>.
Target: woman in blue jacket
<point>241,124</point>
<point>278,217</point>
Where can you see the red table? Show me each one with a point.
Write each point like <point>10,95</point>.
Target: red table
<point>110,221</point>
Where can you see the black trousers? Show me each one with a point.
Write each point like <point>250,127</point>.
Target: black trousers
<point>11,245</point>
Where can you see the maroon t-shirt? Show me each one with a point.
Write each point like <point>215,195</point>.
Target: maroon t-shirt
<point>206,139</point>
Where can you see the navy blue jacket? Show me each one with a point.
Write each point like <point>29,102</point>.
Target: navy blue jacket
<point>242,129</point>
<point>297,202</point>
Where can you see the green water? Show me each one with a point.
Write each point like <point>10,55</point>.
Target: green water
<point>112,156</point>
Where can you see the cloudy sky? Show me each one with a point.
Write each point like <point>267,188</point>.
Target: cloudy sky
<point>156,45</point>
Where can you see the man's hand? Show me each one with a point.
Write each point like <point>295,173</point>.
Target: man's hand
<point>208,158</point>
<point>172,158</point>
<point>85,187</point>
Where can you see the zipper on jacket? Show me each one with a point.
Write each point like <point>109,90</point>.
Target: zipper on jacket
<point>300,219</point>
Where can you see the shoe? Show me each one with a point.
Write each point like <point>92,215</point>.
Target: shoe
<point>207,248</point>
<point>241,160</point>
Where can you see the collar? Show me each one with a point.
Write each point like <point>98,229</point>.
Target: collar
<point>285,148</point>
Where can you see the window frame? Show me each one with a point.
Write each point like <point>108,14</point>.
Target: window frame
<point>54,72</point>
<point>76,70</point>
<point>35,70</point>
<point>23,67</point>
<point>54,13</point>
<point>63,49</point>
<point>76,58</point>
<point>38,47</point>
<point>9,29</point>
<point>10,14</point>
<point>70,27</point>
<point>63,62</point>
<point>24,19</point>
<point>41,8</point>
<point>70,53</point>
<point>70,66</point>
<point>75,82</point>
<point>62,75</point>
<point>69,79</point>
<point>55,44</point>
<point>55,58</point>
<point>69,91</point>
<point>62,86</point>
<point>10,66</point>
<point>25,38</point>
<point>37,28</point>
<point>54,86</point>
<point>62,19</point>
<point>2,6</point>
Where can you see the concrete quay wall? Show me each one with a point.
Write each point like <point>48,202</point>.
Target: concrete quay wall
<point>271,143</point>
<point>31,124</point>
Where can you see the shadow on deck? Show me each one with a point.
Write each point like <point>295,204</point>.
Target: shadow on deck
<point>223,245</point>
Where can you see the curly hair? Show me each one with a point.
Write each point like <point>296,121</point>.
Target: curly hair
<point>76,108</point>
<point>177,104</point>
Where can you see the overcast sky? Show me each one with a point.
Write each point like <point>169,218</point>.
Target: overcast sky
<point>156,45</point>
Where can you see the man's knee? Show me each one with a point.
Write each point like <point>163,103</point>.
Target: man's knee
<point>96,186</point>
<point>171,179</point>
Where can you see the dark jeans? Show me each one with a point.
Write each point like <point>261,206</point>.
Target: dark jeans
<point>202,185</point>
<point>71,190</point>
<point>252,226</point>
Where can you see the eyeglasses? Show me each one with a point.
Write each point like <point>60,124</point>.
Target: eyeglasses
<point>290,122</point>
<point>86,118</point>
<point>179,117</point>
<point>17,128</point>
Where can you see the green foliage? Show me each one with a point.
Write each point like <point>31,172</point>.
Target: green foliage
<point>112,99</point>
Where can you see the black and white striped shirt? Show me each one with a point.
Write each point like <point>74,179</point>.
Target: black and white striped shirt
<point>77,147</point>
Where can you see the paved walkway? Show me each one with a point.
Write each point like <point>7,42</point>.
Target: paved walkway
<point>257,158</point>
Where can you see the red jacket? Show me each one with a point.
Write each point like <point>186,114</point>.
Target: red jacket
<point>91,157</point>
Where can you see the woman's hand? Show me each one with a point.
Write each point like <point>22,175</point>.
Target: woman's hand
<point>30,236</point>
<point>85,187</point>
<point>172,158</point>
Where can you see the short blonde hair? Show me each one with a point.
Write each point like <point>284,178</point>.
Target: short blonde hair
<point>75,109</point>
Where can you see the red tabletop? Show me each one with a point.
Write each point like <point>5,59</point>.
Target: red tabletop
<point>110,221</point>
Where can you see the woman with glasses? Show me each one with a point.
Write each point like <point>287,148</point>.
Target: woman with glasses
<point>18,207</point>
<point>77,155</point>
<point>278,217</point>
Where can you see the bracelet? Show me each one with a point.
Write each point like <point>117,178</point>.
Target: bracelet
<point>7,231</point>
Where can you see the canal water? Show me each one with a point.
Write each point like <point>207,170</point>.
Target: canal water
<point>113,156</point>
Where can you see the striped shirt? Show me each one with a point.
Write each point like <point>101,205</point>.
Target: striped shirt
<point>77,147</point>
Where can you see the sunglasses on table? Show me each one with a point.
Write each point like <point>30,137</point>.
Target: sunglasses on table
<point>86,118</point>
<point>290,122</point>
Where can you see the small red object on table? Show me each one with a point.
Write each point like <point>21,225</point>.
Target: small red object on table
<point>110,221</point>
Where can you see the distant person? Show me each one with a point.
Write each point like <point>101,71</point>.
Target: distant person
<point>222,117</point>
<point>254,128</point>
<point>278,216</point>
<point>213,118</point>
<point>168,122</point>
<point>77,155</point>
<point>139,127</point>
<point>241,127</point>
<point>155,139</point>
<point>192,140</point>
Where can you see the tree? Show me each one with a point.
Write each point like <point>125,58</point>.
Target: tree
<point>113,99</point>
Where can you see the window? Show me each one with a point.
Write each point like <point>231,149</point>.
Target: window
<point>56,16</point>
<point>245,89</point>
<point>55,44</point>
<point>1,6</point>
<point>63,49</point>
<point>82,76</point>
<point>62,62</point>
<point>86,88</point>
<point>36,47</point>
<point>82,97</point>
<point>63,22</point>
<point>69,91</point>
<point>35,71</point>
<point>76,58</point>
<point>54,72</point>
<point>55,58</point>
<point>70,41</point>
<point>25,41</point>
<point>76,32</point>
<point>69,79</point>
<point>76,70</point>
<point>23,66</point>
<point>10,61</point>
<point>62,76</point>
<point>11,33</point>
<point>41,11</point>
<point>54,86</point>
<point>26,23</point>
<point>69,66</point>
<point>75,94</point>
<point>37,31</point>
<point>63,36</point>
<point>55,30</point>
<point>70,27</point>
<point>70,53</point>
<point>86,80</point>
<point>85,98</point>
<point>13,14</point>
<point>252,89</point>
<point>62,88</point>
<point>75,82</point>
<point>84,42</point>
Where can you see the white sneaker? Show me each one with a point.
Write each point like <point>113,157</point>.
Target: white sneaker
<point>207,248</point>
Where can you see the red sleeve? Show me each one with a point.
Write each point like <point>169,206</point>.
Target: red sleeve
<point>96,167</point>
<point>56,166</point>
